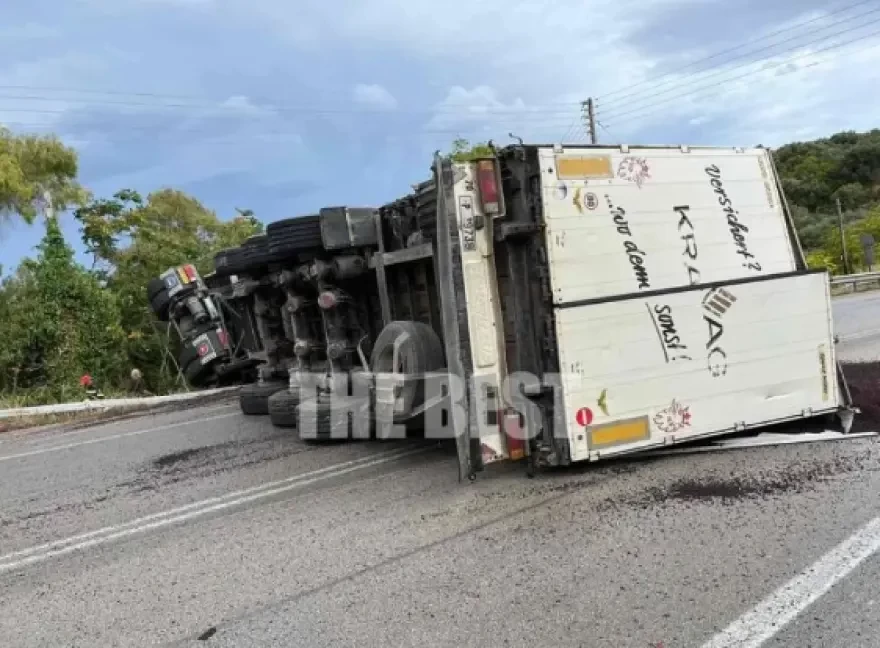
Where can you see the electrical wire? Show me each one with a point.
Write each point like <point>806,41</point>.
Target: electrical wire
<point>248,111</point>
<point>726,70</point>
<point>483,131</point>
<point>737,47</point>
<point>638,112</point>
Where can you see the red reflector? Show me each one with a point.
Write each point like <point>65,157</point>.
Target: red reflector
<point>190,272</point>
<point>584,416</point>
<point>223,336</point>
<point>488,181</point>
<point>516,435</point>
<point>327,300</point>
<point>203,349</point>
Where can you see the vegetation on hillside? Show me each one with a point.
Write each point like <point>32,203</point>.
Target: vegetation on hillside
<point>62,320</point>
<point>815,175</point>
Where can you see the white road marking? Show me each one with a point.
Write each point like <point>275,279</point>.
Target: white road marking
<point>44,552</point>
<point>112,437</point>
<point>780,608</point>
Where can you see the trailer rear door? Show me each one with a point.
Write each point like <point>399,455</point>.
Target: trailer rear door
<point>632,220</point>
<point>659,368</point>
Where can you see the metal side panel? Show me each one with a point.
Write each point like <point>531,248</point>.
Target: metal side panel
<point>484,318</point>
<point>453,307</point>
<point>657,369</point>
<point>627,220</point>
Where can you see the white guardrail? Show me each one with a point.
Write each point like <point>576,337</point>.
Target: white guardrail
<point>110,403</point>
<point>855,279</point>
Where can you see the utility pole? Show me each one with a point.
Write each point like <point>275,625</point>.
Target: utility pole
<point>846,268</point>
<point>589,112</point>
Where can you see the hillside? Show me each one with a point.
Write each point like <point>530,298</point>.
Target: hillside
<point>815,174</point>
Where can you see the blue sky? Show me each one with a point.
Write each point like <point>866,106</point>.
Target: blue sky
<point>280,108</point>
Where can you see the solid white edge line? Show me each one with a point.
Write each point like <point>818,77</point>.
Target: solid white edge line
<point>112,437</point>
<point>766,619</point>
<point>196,509</point>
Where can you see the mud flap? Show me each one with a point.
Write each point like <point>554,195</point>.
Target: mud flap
<point>453,309</point>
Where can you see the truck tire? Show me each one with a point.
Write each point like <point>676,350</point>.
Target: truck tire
<point>197,374</point>
<point>282,408</point>
<point>161,305</point>
<point>254,253</point>
<point>228,262</point>
<point>254,398</point>
<point>419,351</point>
<point>316,421</point>
<point>154,287</point>
<point>291,235</point>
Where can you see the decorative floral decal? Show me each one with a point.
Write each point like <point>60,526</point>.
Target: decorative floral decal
<point>673,418</point>
<point>634,169</point>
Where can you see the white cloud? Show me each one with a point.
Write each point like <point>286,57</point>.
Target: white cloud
<point>375,96</point>
<point>547,57</point>
<point>242,105</point>
<point>476,110</point>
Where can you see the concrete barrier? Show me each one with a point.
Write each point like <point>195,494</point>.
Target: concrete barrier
<point>110,403</point>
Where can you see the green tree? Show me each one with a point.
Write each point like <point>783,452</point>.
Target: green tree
<point>59,323</point>
<point>33,167</point>
<point>822,260</point>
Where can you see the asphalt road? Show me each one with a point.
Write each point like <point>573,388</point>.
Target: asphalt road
<point>857,324</point>
<point>203,527</point>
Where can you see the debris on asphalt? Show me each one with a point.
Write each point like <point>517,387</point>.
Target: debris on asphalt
<point>864,385</point>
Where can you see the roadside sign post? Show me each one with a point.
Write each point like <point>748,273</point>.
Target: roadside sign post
<point>867,241</point>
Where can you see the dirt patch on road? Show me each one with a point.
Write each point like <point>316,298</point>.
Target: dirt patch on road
<point>796,478</point>
<point>165,461</point>
<point>864,384</point>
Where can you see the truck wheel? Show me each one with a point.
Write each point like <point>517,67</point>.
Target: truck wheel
<point>228,262</point>
<point>255,253</point>
<point>291,235</point>
<point>282,408</point>
<point>154,287</point>
<point>221,263</point>
<point>161,303</point>
<point>408,349</point>
<point>254,398</point>
<point>197,374</point>
<point>317,421</point>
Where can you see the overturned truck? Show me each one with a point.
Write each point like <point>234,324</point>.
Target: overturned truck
<point>556,304</point>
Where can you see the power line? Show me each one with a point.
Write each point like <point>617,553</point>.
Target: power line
<point>768,66</point>
<point>602,126</point>
<point>571,128</point>
<point>249,110</point>
<point>211,101</point>
<point>125,129</point>
<point>740,46</point>
<point>725,70</point>
<point>640,114</point>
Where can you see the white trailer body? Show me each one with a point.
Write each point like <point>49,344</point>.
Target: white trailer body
<point>667,367</point>
<point>658,295</point>
<point>653,219</point>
